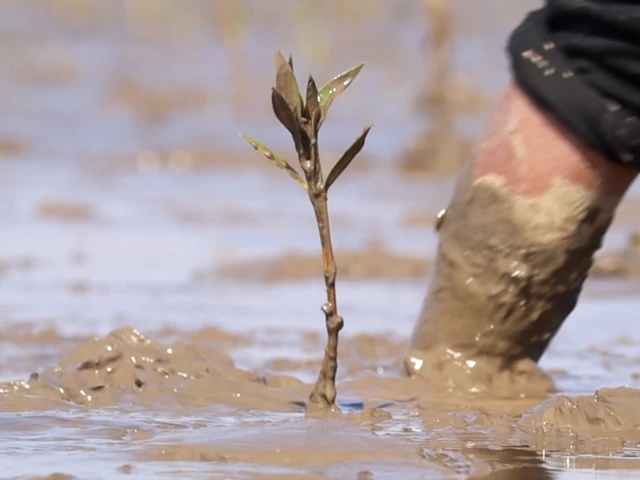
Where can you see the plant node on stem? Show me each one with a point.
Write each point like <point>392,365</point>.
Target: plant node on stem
<point>303,117</point>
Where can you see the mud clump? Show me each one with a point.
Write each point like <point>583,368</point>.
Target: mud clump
<point>501,290</point>
<point>371,263</point>
<point>55,476</point>
<point>10,147</point>
<point>67,211</point>
<point>622,264</point>
<point>125,366</point>
<point>609,413</point>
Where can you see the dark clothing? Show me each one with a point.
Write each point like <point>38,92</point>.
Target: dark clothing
<point>580,60</point>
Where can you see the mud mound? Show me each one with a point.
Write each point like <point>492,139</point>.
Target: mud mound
<point>392,420</point>
<point>127,367</point>
<point>63,210</point>
<point>609,413</point>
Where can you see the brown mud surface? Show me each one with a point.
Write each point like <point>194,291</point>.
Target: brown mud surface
<point>624,263</point>
<point>372,262</point>
<point>440,150</point>
<point>148,389</point>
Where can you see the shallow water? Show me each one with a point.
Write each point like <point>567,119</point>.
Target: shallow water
<point>116,213</point>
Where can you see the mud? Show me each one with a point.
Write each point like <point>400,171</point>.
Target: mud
<point>11,148</point>
<point>66,211</point>
<point>624,263</point>
<point>441,150</point>
<point>373,262</point>
<point>153,104</point>
<point>501,292</point>
<point>392,421</point>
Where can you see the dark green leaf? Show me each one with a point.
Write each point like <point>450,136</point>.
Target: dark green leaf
<point>286,83</point>
<point>288,118</point>
<point>346,159</point>
<point>276,159</point>
<point>313,106</point>
<point>335,87</point>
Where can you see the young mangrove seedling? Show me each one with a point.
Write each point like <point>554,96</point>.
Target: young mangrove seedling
<point>303,117</point>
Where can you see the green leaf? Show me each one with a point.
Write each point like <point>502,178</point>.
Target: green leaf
<point>286,116</point>
<point>276,160</point>
<point>286,83</point>
<point>347,157</point>
<point>335,87</point>
<point>313,106</point>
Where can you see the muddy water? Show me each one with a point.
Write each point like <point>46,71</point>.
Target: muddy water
<point>149,328</point>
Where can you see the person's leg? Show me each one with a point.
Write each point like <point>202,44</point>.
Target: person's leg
<point>516,244</point>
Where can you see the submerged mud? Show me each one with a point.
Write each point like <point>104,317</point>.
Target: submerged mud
<point>501,290</point>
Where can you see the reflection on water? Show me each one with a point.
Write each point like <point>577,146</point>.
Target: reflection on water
<point>124,189</point>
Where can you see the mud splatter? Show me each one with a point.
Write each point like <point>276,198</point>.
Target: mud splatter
<point>532,268</point>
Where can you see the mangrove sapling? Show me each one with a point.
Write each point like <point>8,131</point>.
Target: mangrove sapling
<point>303,117</point>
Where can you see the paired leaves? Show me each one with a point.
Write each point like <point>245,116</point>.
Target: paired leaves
<point>303,119</point>
<point>317,102</point>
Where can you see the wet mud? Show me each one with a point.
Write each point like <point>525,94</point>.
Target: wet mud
<point>531,268</point>
<point>65,211</point>
<point>147,389</point>
<point>441,150</point>
<point>623,263</point>
<point>372,262</point>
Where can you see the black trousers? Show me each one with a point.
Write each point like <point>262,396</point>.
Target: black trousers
<point>580,61</point>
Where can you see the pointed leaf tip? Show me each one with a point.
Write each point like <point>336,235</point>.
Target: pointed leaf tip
<point>335,87</point>
<point>313,106</point>
<point>286,83</point>
<point>347,157</point>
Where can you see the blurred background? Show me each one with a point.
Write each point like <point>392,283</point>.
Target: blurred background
<point>127,197</point>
